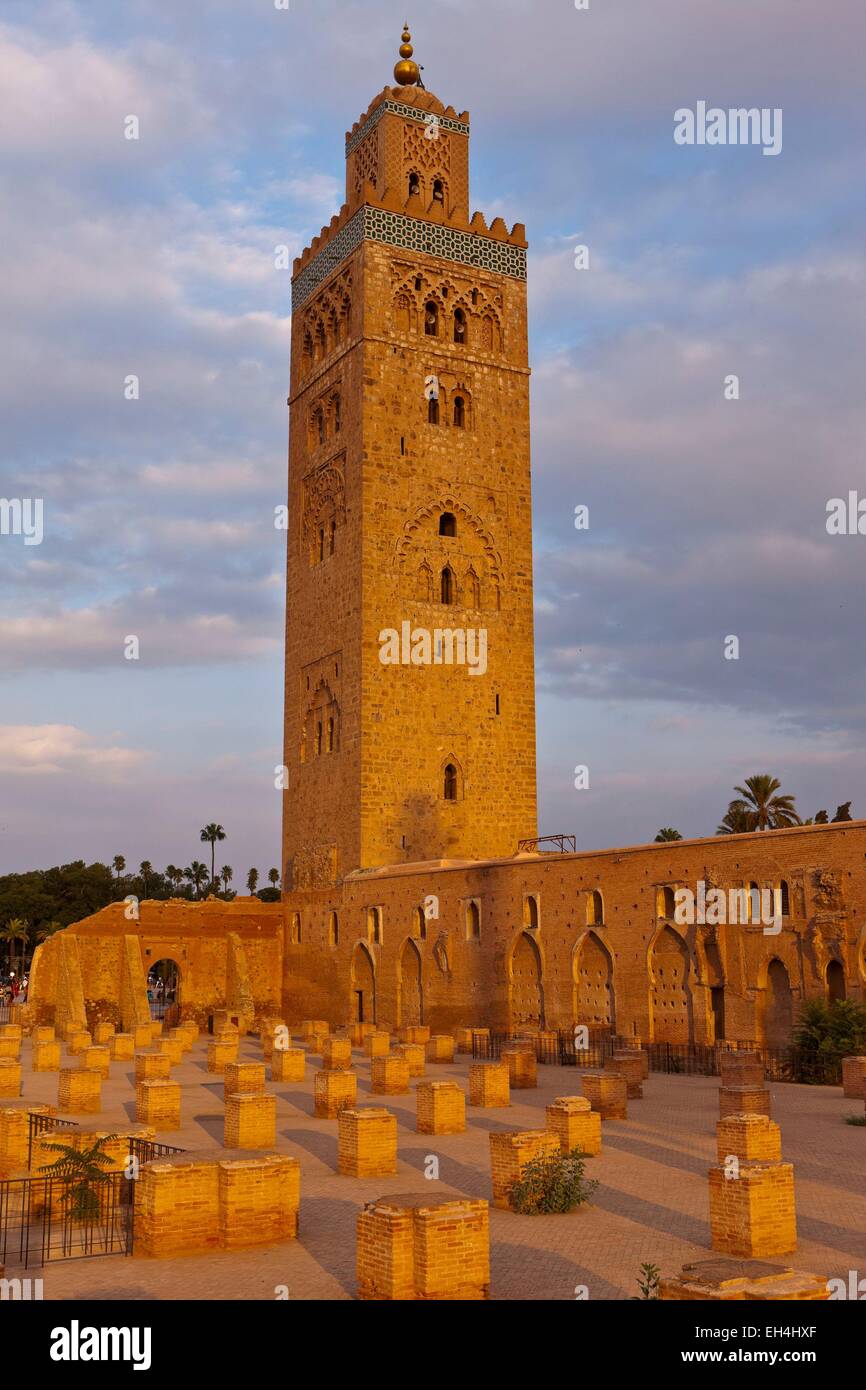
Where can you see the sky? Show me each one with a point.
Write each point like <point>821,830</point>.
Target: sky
<point>155,258</point>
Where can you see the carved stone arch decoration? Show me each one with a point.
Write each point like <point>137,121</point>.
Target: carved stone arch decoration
<point>434,509</point>
<point>320,733</point>
<point>324,504</point>
<point>450,778</point>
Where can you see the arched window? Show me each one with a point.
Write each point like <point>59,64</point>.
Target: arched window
<point>594,909</point>
<point>530,911</point>
<point>438,191</point>
<point>338,414</point>
<point>448,524</point>
<point>450,782</point>
<point>414,184</point>
<point>459,413</point>
<point>318,737</point>
<point>665,903</point>
<point>473,921</point>
<point>784,899</point>
<point>333,929</point>
<point>374,925</point>
<point>447,587</point>
<point>754,902</point>
<point>433,411</point>
<point>330,735</point>
<point>319,425</point>
<point>420,923</point>
<point>321,543</point>
<point>459,326</point>
<point>296,928</point>
<point>473,592</point>
<point>431,319</point>
<point>333,540</point>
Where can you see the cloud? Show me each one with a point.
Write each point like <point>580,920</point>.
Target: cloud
<point>41,750</point>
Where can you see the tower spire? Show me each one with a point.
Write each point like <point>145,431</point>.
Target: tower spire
<point>406,72</point>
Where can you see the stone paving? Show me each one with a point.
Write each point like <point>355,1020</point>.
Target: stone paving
<point>651,1203</point>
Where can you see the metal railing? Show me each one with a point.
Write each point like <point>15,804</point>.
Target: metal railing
<point>44,1218</point>
<point>43,1124</point>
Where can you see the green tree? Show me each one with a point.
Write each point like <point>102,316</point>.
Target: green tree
<point>667,832</point>
<point>197,876</point>
<point>84,1172</point>
<point>47,929</point>
<point>738,819</point>
<point>16,930</point>
<point>145,868</point>
<point>837,1029</point>
<point>770,812</point>
<point>273,877</point>
<point>843,812</point>
<point>118,864</point>
<point>210,835</point>
<point>227,874</point>
<point>252,881</point>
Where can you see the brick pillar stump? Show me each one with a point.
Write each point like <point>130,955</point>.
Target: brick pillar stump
<point>77,1041</point>
<point>79,1092</point>
<point>360,1032</point>
<point>316,1041</point>
<point>288,1064</point>
<point>463,1039</point>
<point>10,1078</point>
<point>97,1059</point>
<point>142,1034</point>
<point>415,1033</point>
<point>743,1100</point>
<point>854,1078</point>
<point>103,1033</point>
<point>415,1248</point>
<point>522,1066</point>
<point>176,1206</point>
<point>629,1065</point>
<point>441,1108</point>
<point>310,1026</point>
<point>726,1281</point>
<point>389,1076</point>
<point>157,1103</point>
<point>122,1047</point>
<point>440,1048</point>
<point>43,1032</point>
<point>749,1137</point>
<point>243,1076</point>
<point>182,1038</point>
<point>489,1085</point>
<point>156,1029</point>
<point>171,1047</point>
<point>607,1092</point>
<point>11,1030</point>
<point>413,1056</point>
<point>259,1199</point>
<point>510,1151</point>
<point>377,1044</point>
<point>367,1143</point>
<point>741,1069</point>
<point>46,1056</point>
<point>152,1066</point>
<point>575,1124</point>
<point>334,1091</point>
<point>337,1054</point>
<point>220,1053</point>
<point>10,1047</point>
<point>753,1216</point>
<point>251,1121</point>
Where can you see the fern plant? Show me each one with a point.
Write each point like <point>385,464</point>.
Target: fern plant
<point>83,1170</point>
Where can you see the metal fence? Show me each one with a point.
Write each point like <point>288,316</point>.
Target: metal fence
<point>42,1124</point>
<point>685,1059</point>
<point>43,1219</point>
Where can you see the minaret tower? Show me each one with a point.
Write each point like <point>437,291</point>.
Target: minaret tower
<point>409,696</point>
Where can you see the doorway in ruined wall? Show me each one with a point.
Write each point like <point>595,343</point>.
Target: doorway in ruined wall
<point>363,986</point>
<point>670,992</point>
<point>411,1011</point>
<point>527,994</point>
<point>164,989</point>
<point>835,981</point>
<point>778,1006</point>
<point>593,995</point>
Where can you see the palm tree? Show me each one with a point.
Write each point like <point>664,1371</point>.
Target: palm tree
<point>83,1170</point>
<point>273,877</point>
<point>252,881</point>
<point>227,874</point>
<point>16,929</point>
<point>210,835</point>
<point>174,875</point>
<point>118,864</point>
<point>738,819</point>
<point>47,929</point>
<point>197,875</point>
<point>667,833</point>
<point>770,812</point>
<point>145,868</point>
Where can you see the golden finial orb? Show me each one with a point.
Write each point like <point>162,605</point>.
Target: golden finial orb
<point>406,72</point>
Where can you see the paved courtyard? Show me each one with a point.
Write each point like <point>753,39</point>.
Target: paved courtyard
<point>651,1203</point>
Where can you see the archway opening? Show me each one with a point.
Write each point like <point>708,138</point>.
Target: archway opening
<point>671,998</point>
<point>835,981</point>
<point>527,994</point>
<point>363,987</point>
<point>593,985</point>
<point>778,1012</point>
<point>411,987</point>
<point>163,989</point>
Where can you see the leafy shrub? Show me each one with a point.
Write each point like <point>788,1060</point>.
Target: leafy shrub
<point>855,1120</point>
<point>648,1281</point>
<point>552,1183</point>
<point>831,1030</point>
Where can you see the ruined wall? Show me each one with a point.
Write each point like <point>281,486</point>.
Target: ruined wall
<point>482,961</point>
